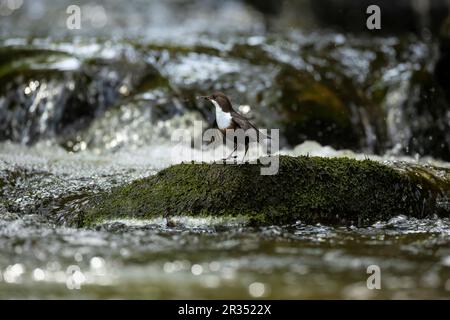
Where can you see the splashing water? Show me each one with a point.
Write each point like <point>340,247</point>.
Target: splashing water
<point>149,259</point>
<point>81,114</point>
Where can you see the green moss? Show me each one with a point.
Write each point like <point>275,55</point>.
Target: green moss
<point>310,189</point>
<point>308,108</point>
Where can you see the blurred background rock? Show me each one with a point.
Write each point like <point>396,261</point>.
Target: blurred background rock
<point>310,68</point>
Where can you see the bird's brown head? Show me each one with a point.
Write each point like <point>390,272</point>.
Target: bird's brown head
<point>221,99</point>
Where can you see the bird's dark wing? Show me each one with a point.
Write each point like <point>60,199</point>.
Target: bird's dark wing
<point>241,121</point>
<point>245,124</point>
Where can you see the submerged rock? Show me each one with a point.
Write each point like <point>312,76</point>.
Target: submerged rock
<point>309,189</point>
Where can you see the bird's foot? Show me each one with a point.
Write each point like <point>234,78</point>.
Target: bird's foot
<point>230,160</point>
<point>225,159</point>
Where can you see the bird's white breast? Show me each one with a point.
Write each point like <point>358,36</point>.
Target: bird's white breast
<point>223,119</point>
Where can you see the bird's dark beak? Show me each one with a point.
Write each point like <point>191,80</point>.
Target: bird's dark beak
<point>204,97</point>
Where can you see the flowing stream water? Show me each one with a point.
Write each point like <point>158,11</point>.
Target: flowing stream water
<point>82,114</point>
<point>147,259</point>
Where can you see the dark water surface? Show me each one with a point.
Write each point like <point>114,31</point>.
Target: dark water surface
<point>198,259</point>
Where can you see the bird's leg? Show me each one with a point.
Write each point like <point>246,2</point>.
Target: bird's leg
<point>246,150</point>
<point>210,142</point>
<point>227,158</point>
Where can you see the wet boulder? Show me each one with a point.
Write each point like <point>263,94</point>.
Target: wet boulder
<point>368,94</point>
<point>308,109</point>
<point>373,96</point>
<point>47,93</point>
<point>336,191</point>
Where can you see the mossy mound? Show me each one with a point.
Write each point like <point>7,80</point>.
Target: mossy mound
<point>309,189</point>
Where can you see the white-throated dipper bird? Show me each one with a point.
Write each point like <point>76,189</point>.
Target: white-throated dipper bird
<point>229,119</point>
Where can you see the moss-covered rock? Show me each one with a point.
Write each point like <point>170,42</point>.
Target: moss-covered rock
<point>309,189</point>
<point>351,93</point>
<point>309,109</point>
